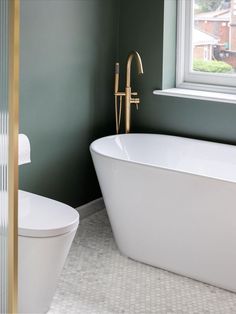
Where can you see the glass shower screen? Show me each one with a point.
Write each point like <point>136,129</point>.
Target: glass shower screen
<point>9,59</point>
<point>4,151</point>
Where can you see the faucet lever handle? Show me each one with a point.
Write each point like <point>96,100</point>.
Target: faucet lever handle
<point>135,100</point>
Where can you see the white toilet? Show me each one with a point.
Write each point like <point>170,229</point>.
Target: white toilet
<point>46,231</point>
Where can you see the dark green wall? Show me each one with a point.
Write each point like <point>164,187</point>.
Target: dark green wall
<point>141,28</point>
<point>68,52</point>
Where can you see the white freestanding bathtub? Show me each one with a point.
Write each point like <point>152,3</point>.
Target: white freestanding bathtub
<point>171,202</point>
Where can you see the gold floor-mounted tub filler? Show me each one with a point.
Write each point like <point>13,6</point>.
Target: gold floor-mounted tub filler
<point>128,93</point>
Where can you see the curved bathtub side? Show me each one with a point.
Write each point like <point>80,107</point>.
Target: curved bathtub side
<point>186,155</point>
<point>176,221</point>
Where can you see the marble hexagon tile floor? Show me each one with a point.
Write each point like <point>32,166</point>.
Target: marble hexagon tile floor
<point>97,279</point>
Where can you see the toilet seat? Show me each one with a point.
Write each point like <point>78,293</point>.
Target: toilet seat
<point>42,217</point>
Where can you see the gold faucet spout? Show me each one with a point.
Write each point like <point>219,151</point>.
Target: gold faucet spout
<point>128,92</point>
<point>128,66</point>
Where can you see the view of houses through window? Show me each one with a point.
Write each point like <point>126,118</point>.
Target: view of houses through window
<point>214,36</point>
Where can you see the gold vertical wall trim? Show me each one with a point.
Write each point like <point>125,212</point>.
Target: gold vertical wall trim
<point>14,42</point>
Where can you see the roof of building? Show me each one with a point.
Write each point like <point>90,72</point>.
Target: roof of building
<point>219,15</point>
<point>201,38</point>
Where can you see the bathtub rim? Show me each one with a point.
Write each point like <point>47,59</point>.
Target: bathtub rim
<point>156,166</point>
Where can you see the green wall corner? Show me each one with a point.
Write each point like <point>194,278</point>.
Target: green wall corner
<point>161,114</point>
<point>68,52</point>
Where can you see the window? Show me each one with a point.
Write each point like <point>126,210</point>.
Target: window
<point>206,45</point>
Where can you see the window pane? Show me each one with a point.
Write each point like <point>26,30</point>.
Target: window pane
<point>214,36</point>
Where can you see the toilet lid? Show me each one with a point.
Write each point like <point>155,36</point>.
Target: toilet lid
<point>43,217</point>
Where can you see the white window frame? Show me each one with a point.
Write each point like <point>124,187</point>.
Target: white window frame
<point>186,78</point>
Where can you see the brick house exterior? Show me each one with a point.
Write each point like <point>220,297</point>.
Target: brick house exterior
<point>220,24</point>
<point>215,24</point>
<point>233,26</point>
<point>203,45</point>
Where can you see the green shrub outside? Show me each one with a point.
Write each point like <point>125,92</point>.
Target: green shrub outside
<point>211,66</point>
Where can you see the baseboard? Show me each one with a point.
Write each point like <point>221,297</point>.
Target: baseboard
<point>90,208</point>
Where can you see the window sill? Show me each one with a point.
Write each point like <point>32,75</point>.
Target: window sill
<point>196,94</point>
